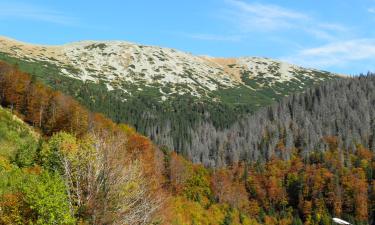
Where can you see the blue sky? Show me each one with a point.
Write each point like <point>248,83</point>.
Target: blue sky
<point>335,35</point>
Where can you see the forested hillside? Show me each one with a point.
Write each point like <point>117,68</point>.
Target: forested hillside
<point>167,95</point>
<point>80,168</point>
<point>26,192</point>
<point>343,108</point>
<point>309,190</point>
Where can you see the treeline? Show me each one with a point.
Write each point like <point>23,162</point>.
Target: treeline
<point>85,169</point>
<point>216,134</point>
<point>165,123</point>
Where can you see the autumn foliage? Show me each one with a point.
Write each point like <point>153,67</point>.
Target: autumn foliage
<point>113,175</point>
<point>98,160</point>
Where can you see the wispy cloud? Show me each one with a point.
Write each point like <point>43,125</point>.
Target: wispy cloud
<point>246,18</point>
<point>336,54</point>
<point>371,10</point>
<point>37,13</point>
<point>214,37</point>
<point>251,17</point>
<point>262,16</point>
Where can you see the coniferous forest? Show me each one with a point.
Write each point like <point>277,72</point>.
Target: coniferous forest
<point>342,108</point>
<point>310,159</point>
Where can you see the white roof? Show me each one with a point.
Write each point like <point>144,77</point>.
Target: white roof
<point>340,221</point>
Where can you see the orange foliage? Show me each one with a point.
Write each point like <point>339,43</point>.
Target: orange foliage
<point>51,111</point>
<point>14,209</point>
<point>179,172</point>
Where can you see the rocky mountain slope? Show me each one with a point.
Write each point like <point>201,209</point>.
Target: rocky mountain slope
<point>122,64</point>
<point>164,93</point>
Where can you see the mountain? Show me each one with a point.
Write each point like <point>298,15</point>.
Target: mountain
<point>164,93</point>
<point>73,166</point>
<point>132,68</point>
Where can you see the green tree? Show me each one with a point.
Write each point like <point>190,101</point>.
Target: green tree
<point>297,221</point>
<point>197,187</point>
<point>46,195</point>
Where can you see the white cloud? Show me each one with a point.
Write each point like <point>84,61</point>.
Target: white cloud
<point>332,26</point>
<point>251,17</point>
<point>248,18</point>
<point>263,16</point>
<point>336,54</point>
<point>36,13</point>
<point>267,11</point>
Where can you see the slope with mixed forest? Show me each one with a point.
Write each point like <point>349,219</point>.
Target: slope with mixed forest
<point>73,166</point>
<point>77,167</point>
<point>164,93</point>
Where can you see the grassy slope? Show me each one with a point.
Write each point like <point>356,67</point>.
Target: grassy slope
<point>15,136</point>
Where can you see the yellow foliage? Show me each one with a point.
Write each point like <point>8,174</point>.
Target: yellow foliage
<point>127,129</point>
<point>186,212</point>
<point>4,163</point>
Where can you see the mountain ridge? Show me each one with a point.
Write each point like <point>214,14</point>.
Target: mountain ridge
<point>119,62</point>
<point>172,97</point>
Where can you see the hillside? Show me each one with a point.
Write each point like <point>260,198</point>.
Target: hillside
<point>88,170</point>
<point>15,137</point>
<point>26,193</point>
<point>58,177</point>
<point>165,94</point>
<point>342,108</point>
<point>131,68</point>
